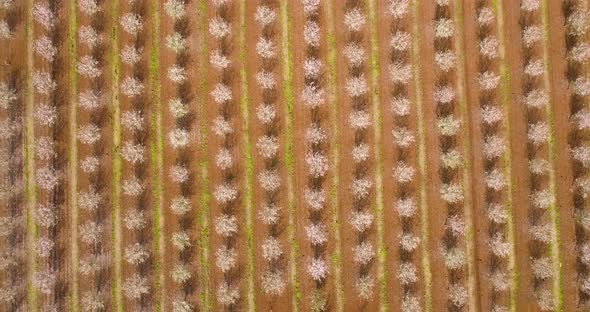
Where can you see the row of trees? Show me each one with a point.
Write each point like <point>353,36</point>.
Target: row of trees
<point>273,276</point>
<point>313,97</point>
<point>93,199</point>
<point>403,136</point>
<point>449,124</point>
<point>179,168</point>
<point>226,191</point>
<point>578,51</point>
<point>135,134</point>
<point>360,120</point>
<point>49,81</point>
<point>536,100</point>
<point>491,117</point>
<point>12,221</point>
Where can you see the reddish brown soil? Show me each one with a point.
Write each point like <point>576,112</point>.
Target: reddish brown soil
<point>145,201</point>
<point>391,154</point>
<point>189,156</point>
<point>266,302</point>
<point>215,174</point>
<point>302,120</point>
<point>563,173</point>
<point>349,237</point>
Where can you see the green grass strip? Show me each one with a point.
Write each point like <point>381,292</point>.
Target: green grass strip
<point>423,165</point>
<point>29,155</point>
<point>117,166</point>
<point>505,103</point>
<point>554,246</point>
<point>334,147</point>
<point>157,147</point>
<point>73,155</point>
<point>248,162</point>
<point>204,197</point>
<point>289,158</point>
<point>377,131</point>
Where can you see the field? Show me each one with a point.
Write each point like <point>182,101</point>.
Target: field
<point>294,155</point>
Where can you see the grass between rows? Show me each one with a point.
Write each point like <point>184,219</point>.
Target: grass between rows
<point>157,147</point>
<point>334,146</point>
<point>421,129</point>
<point>73,154</point>
<point>554,246</point>
<point>203,165</point>
<point>287,74</point>
<point>248,162</point>
<point>507,159</point>
<point>29,154</point>
<point>377,131</point>
<point>116,234</point>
